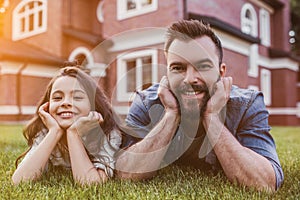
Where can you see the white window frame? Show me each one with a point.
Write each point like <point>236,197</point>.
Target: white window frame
<point>245,22</point>
<point>264,19</point>
<point>17,32</point>
<point>253,61</point>
<point>122,94</point>
<point>265,84</point>
<point>84,51</point>
<point>123,13</point>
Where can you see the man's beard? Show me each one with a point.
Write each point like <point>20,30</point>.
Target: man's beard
<point>193,108</point>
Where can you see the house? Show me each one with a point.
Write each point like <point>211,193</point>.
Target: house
<point>121,41</point>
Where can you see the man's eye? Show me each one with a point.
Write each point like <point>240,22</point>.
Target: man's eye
<point>203,67</point>
<point>177,68</point>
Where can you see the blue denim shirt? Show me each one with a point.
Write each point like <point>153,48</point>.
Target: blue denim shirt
<point>246,118</point>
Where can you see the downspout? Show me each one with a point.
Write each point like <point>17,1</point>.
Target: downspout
<point>18,90</point>
<point>185,14</point>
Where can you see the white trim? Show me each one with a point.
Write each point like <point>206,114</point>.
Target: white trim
<point>10,67</point>
<point>245,48</point>
<point>137,38</point>
<point>285,111</point>
<point>278,63</point>
<point>266,85</point>
<point>123,13</point>
<point>98,70</point>
<point>100,12</point>
<point>28,110</point>
<point>265,26</point>
<point>253,67</point>
<point>14,110</point>
<point>253,87</point>
<point>40,71</point>
<point>245,22</point>
<point>263,5</point>
<point>122,110</point>
<point>82,50</point>
<point>9,110</point>
<point>122,94</point>
<point>233,43</point>
<point>17,32</point>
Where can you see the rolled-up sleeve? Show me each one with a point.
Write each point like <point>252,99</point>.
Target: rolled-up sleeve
<point>254,133</point>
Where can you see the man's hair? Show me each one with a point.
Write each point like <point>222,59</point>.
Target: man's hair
<point>186,30</point>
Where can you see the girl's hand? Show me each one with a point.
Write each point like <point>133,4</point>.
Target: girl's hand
<point>47,119</point>
<point>84,124</point>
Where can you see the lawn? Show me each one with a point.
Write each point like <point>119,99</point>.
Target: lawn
<point>171,183</point>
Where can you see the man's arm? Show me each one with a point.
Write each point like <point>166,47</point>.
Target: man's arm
<point>239,163</point>
<point>143,159</point>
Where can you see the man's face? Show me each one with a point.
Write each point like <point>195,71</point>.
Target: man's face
<point>193,69</point>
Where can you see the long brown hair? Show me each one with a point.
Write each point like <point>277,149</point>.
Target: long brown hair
<point>98,100</point>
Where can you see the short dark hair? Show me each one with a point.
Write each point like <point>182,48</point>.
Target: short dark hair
<point>191,29</point>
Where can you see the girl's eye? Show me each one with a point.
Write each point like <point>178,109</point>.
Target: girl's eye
<point>78,97</point>
<point>57,98</point>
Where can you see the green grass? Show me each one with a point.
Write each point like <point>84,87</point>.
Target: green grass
<point>171,183</point>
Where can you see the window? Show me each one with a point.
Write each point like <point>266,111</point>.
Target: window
<point>131,8</point>
<point>136,71</point>
<point>264,18</point>
<point>249,20</point>
<point>265,83</point>
<point>29,18</point>
<point>253,58</point>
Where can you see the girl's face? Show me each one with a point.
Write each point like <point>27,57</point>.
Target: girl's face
<point>68,101</point>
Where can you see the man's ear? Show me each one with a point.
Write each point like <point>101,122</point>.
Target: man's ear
<point>223,69</point>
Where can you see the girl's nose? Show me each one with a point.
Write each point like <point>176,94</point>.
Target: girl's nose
<point>68,101</point>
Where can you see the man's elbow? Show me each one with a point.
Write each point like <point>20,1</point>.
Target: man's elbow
<point>135,176</point>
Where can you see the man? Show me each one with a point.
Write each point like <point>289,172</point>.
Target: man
<point>196,117</point>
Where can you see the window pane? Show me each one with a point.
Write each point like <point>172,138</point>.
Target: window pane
<point>22,25</point>
<point>131,75</point>
<point>248,14</point>
<point>40,19</point>
<point>147,72</point>
<point>31,22</point>
<point>131,5</point>
<point>146,2</point>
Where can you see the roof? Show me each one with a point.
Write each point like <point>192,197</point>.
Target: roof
<point>214,22</point>
<point>23,52</point>
<point>87,37</point>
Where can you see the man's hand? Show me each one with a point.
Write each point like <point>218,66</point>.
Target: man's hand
<point>84,124</point>
<point>47,119</point>
<point>166,96</point>
<point>220,96</point>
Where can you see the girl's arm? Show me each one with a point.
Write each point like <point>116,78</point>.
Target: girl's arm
<point>35,161</point>
<point>83,169</point>
<point>33,165</point>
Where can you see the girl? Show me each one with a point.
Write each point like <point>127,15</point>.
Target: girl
<point>74,128</point>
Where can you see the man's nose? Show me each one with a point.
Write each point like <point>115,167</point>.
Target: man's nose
<point>191,75</point>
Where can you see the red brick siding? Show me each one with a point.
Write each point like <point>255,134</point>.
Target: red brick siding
<point>284,91</point>
<point>237,67</point>
<point>8,84</point>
